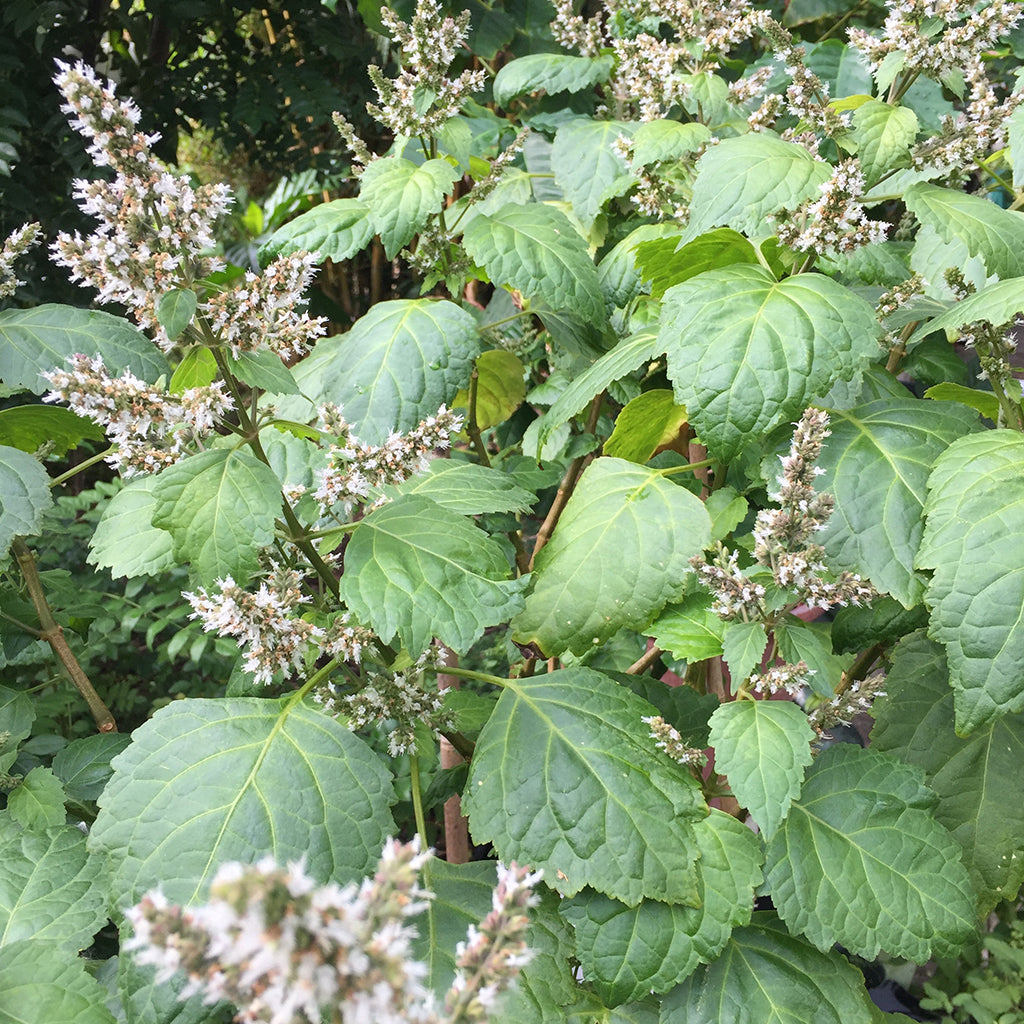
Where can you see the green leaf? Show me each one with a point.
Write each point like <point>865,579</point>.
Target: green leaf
<point>884,621</point>
<point>401,196</point>
<point>763,747</point>
<point>24,495</point>
<point>619,276</point>
<point>219,507</point>
<point>742,180</point>
<point>811,642</point>
<point>994,234</point>
<point>414,569</point>
<point>981,401</point>
<point>16,717</point>
<point>83,765</point>
<point>618,554</point>
<point>743,645</point>
<point>658,140</point>
<point>536,250</point>
<point>881,263</point>
<point>175,309</point>
<point>500,388</point>
<point>975,778</point>
<point>766,976</point>
<point>28,427</point>
<point>884,135</point>
<point>552,72</point>
<point>40,339</point>
<point>400,363</point>
<point>627,952</point>
<point>210,781</point>
<point>748,353</point>
<point>998,303</point>
<point>689,630</point>
<point>467,488</point>
<point>336,231</point>
<point>1015,137</point>
<point>876,466</point>
<point>37,802</point>
<point>727,509</point>
<point>50,887</point>
<point>566,777</point>
<point>974,523</point>
<point>862,861</point>
<point>41,984</point>
<point>647,423</point>
<point>125,540</point>
<point>681,706</point>
<point>263,369</point>
<point>663,262</point>
<point>196,370</point>
<point>586,167</point>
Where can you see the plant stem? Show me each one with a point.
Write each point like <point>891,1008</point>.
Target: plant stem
<point>53,633</point>
<point>644,662</point>
<point>456,828</point>
<point>467,673</point>
<point>417,799</point>
<point>472,427</point>
<point>91,461</point>
<point>688,468</point>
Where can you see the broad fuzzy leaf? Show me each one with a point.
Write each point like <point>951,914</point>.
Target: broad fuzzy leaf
<point>862,861</point>
<point>884,134</point>
<point>125,540</point>
<point>83,765</point>
<point>263,369</point>
<point>402,196</point>
<point>586,167</point>
<point>664,262</point>
<point>974,528</point>
<point>24,495</point>
<point>743,646</point>
<point>994,234</point>
<point>565,777</point>
<point>400,363</point>
<point>27,427</point>
<point>552,72</point>
<point>747,353</point>
<point>689,630</point>
<point>336,230</point>
<point>619,276</point>
<point>876,466</point>
<point>50,887</point>
<point>500,388</point>
<point>37,802</point>
<point>627,952</point>
<point>414,569</point>
<point>742,180</point>
<point>975,778</point>
<point>618,554</point>
<point>467,488</point>
<point>766,976</point>
<point>40,339</point>
<point>210,781</point>
<point>219,507</point>
<point>998,303</point>
<point>763,747</point>
<point>536,250</point>
<point>658,140</point>
<point>645,424</point>
<point>175,310</point>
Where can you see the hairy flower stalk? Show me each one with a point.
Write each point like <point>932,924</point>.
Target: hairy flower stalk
<point>667,738</point>
<point>18,242</point>
<point>286,950</point>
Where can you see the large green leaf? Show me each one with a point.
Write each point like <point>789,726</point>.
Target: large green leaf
<point>125,540</point>
<point>974,531</point>
<point>24,495</point>
<point>552,72</point>
<point>50,887</point>
<point>742,180</point>
<point>876,466</point>
<point>660,139</point>
<point>41,338</point>
<point>664,262</point>
<point>649,421</point>
<point>748,353</point>
<point>586,167</point>
<point>210,781</point>
<point>219,507</point>
<point>743,647</point>
<point>402,195</point>
<point>467,488</point>
<point>566,777</point>
<point>689,630</point>
<point>400,363</point>
<point>28,427</point>
<point>536,250</point>
<point>83,765</point>
<point>618,554</point>
<point>884,134</point>
<point>763,747</point>
<point>618,272</point>
<point>766,976</point>
<point>41,984</point>
<point>999,303</point>
<point>336,230</point>
<point>862,861</point>
<point>414,569</point>
<point>994,234</point>
<point>976,778</point>
<point>627,952</point>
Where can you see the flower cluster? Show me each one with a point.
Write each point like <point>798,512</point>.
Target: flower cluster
<point>899,295</point>
<point>273,636</point>
<point>286,950</point>
<point>149,426</point>
<point>836,221</point>
<point>357,471</point>
<point>781,678</point>
<point>16,244</point>
<point>736,596</point>
<point>656,193</point>
<point>667,738</point>
<point>430,42</point>
<point>155,229</point>
<point>852,700</point>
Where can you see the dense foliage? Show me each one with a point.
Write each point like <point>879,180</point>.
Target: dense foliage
<point>688,430</point>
